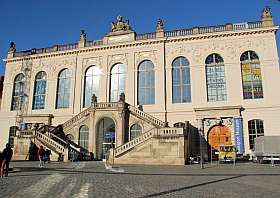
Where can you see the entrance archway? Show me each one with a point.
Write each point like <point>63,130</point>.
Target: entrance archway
<point>219,135</point>
<point>105,137</point>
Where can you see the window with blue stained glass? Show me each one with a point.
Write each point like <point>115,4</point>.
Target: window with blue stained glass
<point>40,91</point>
<point>181,80</point>
<point>117,81</point>
<point>91,84</point>
<point>251,75</point>
<point>146,83</point>
<point>215,78</point>
<point>63,89</point>
<point>18,93</point>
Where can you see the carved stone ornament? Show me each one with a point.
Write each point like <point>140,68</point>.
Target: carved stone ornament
<point>120,25</point>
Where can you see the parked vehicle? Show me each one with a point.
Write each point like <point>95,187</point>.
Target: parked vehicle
<point>267,148</point>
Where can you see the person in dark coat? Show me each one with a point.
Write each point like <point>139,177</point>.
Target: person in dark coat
<point>6,156</point>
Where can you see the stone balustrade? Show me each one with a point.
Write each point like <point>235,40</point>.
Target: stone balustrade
<point>129,145</point>
<point>77,117</point>
<point>49,141</point>
<point>104,105</point>
<point>175,33</point>
<point>146,116</point>
<point>170,131</point>
<point>146,36</point>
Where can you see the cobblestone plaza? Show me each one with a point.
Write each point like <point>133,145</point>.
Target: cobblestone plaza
<point>92,179</point>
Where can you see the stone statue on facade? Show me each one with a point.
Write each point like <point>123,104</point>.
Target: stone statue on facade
<point>93,99</point>
<point>120,25</point>
<point>159,25</point>
<point>83,35</point>
<point>122,97</point>
<point>266,12</point>
<point>12,46</point>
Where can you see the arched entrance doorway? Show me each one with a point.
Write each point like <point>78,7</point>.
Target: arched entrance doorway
<point>219,135</point>
<point>105,137</point>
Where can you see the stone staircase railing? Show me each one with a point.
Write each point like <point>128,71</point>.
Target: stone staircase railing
<point>57,147</point>
<point>47,131</point>
<point>136,141</point>
<point>77,117</point>
<point>146,116</point>
<point>166,131</point>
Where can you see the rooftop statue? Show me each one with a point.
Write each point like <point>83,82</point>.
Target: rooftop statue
<point>159,25</point>
<point>12,46</point>
<point>266,12</point>
<point>120,25</point>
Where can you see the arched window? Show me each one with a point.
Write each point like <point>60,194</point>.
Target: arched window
<point>91,84</point>
<point>83,136</point>
<point>251,75</point>
<point>146,83</point>
<point>135,131</point>
<point>256,129</point>
<point>117,81</point>
<point>181,81</point>
<point>63,89</point>
<point>215,78</point>
<point>12,134</point>
<point>39,91</point>
<point>18,93</point>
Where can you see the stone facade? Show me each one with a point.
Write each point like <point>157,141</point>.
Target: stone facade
<point>123,45</point>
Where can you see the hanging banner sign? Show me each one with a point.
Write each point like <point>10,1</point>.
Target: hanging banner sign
<point>238,135</point>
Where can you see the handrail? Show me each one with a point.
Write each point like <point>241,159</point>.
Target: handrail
<point>77,117</point>
<point>136,141</point>
<point>47,140</point>
<point>146,116</point>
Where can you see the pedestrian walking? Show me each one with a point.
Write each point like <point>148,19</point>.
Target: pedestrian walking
<point>48,153</point>
<point>41,154</point>
<point>6,158</point>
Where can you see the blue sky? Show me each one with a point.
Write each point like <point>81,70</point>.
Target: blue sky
<point>38,23</point>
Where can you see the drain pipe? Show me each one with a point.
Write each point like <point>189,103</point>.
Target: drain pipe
<point>164,73</point>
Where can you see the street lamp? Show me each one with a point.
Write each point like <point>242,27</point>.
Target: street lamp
<point>201,136</point>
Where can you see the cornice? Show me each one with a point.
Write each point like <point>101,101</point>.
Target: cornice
<point>146,42</point>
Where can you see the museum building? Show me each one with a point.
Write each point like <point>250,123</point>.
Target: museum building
<point>145,98</point>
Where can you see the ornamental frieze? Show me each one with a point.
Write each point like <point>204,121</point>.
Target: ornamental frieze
<point>145,55</point>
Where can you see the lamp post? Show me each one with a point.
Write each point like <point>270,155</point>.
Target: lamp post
<point>201,136</point>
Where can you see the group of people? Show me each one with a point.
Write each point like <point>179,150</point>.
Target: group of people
<point>44,156</point>
<point>5,158</point>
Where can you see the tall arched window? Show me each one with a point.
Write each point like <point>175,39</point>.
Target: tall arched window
<point>256,129</point>
<point>117,81</point>
<point>181,81</point>
<point>83,136</point>
<point>18,93</point>
<point>39,91</point>
<point>91,84</point>
<point>146,83</point>
<point>215,78</point>
<point>135,131</point>
<point>63,89</point>
<point>251,75</point>
<point>12,134</point>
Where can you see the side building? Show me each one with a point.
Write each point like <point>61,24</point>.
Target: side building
<point>146,95</point>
